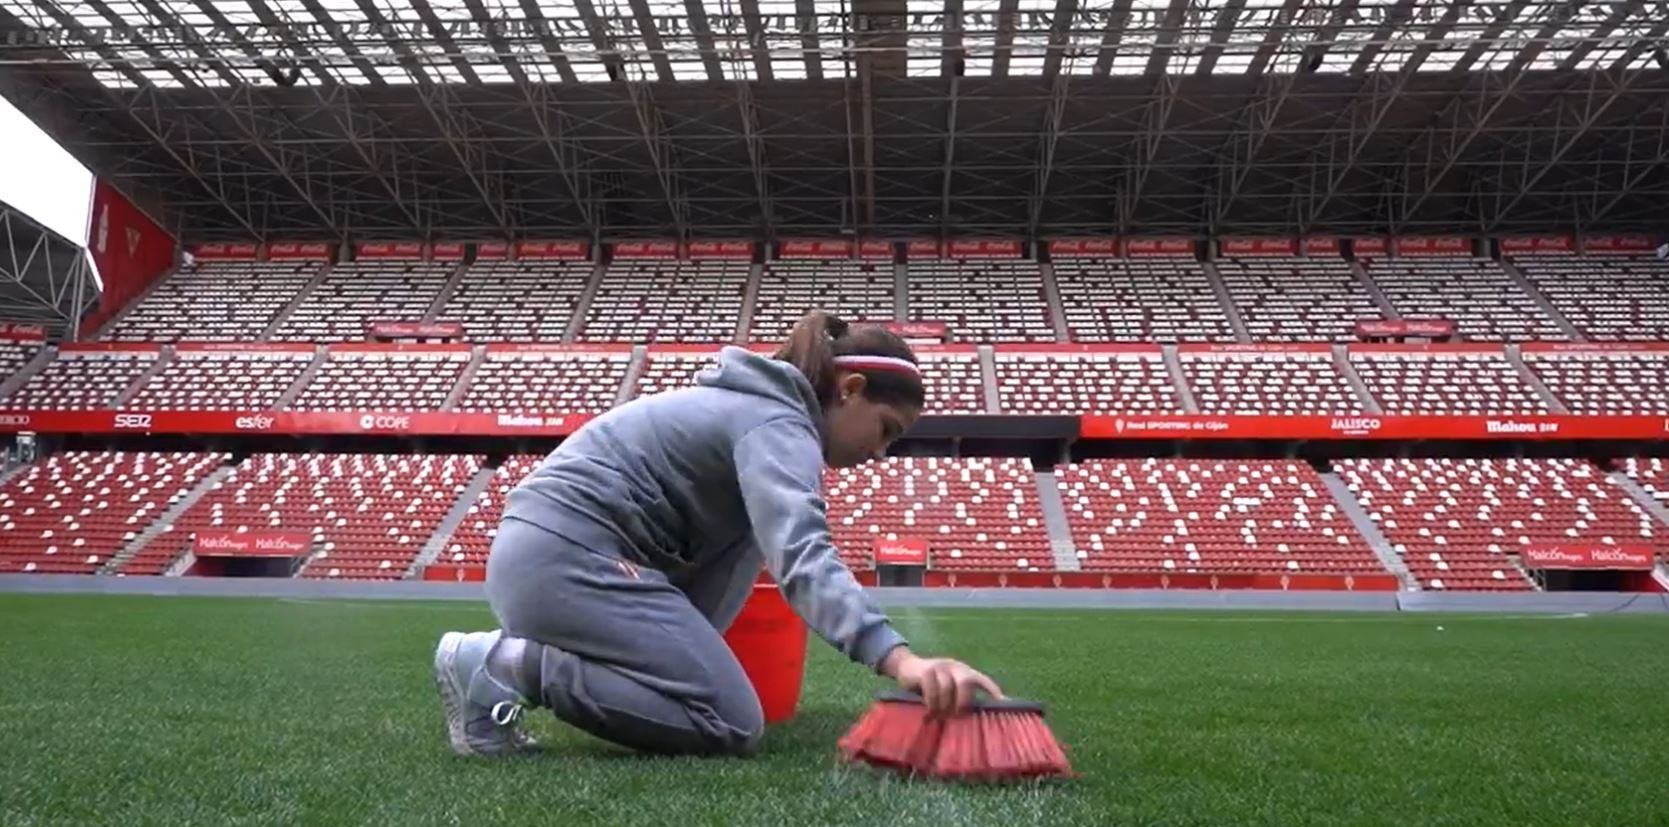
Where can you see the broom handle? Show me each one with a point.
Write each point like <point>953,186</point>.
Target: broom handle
<point>977,705</point>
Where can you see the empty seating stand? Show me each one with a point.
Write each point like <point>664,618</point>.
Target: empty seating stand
<point>669,368</point>
<point>1456,521</point>
<point>547,380</point>
<point>1607,298</point>
<point>1652,473</point>
<point>1290,379</point>
<point>1208,517</point>
<point>529,301</point>
<point>998,300</point>
<point>368,514</point>
<point>953,380</point>
<point>198,380</point>
<point>369,380</point>
<point>1444,381</point>
<point>975,514</point>
<point>15,356</point>
<point>668,301</point>
<point>852,290</point>
<point>473,539</point>
<point>1080,380</point>
<point>1140,300</point>
<point>1297,299</point>
<point>1476,294</point>
<point>343,306</point>
<point>221,301</point>
<point>71,512</point>
<point>1602,382</point>
<point>80,379</point>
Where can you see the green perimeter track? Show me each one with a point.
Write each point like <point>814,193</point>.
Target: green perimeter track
<point>142,710</point>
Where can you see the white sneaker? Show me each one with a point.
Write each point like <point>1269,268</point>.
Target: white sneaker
<point>483,715</point>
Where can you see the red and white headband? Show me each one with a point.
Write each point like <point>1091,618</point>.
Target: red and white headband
<point>888,364</point>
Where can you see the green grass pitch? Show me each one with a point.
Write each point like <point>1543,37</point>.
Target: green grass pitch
<point>132,710</point>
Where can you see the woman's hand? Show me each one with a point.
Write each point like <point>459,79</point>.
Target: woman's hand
<point>945,685</point>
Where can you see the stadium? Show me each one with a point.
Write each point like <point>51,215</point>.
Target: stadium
<point>1297,388</point>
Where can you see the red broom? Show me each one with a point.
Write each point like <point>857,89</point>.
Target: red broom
<point>990,742</point>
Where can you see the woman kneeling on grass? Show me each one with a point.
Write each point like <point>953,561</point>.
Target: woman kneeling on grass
<point>622,558</point>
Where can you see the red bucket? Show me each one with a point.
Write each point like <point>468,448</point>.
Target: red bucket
<point>770,641</point>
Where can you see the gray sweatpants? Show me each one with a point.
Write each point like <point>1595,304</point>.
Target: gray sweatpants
<point>625,653</point>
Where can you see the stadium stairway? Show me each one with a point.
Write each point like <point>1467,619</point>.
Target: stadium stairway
<point>1651,504</point>
<point>1554,403</point>
<point>450,523</point>
<point>478,354</point>
<point>1660,574</point>
<point>1226,299</point>
<point>1341,361</point>
<point>1540,298</point>
<point>900,291</point>
<point>1052,294</point>
<point>1179,379</point>
<point>42,358</point>
<point>164,520</point>
<point>445,293</point>
<point>302,381</point>
<point>634,372</point>
<point>988,376</point>
<point>158,365</point>
<point>1054,519</point>
<point>1352,508</point>
<point>582,306</point>
<point>300,298</point>
<point>1371,287</point>
<point>750,296</point>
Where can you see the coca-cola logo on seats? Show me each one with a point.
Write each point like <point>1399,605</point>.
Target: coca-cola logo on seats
<point>384,422</point>
<point>133,421</point>
<point>254,422</point>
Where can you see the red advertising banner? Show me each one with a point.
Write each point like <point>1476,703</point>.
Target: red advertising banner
<point>1297,582</point>
<point>182,348</point>
<point>564,250</point>
<point>533,348</point>
<point>1145,247</point>
<point>1321,245</point>
<point>131,252</point>
<point>875,249</point>
<point>425,423</point>
<point>1300,347</point>
<point>251,544</point>
<point>1057,348</point>
<point>22,332</point>
<point>417,330</point>
<point>298,251</point>
<point>492,251</point>
<point>953,350</point>
<point>449,573</point>
<point>723,250</point>
<point>1617,244</point>
<point>1084,247</point>
<point>1428,348</point>
<point>904,551</point>
<point>226,252</point>
<point>984,248</point>
<point>1595,348</point>
<point>109,347</point>
<point>937,331</point>
<point>1549,426</point>
<point>1394,328</point>
<point>1626,558</point>
<point>646,250</point>
<point>1436,245</point>
<point>1251,247</point>
<point>1538,245</point>
<point>447,251</point>
<point>816,248</point>
<point>1367,246</point>
<point>922,248</point>
<point>338,348</point>
<point>390,250</point>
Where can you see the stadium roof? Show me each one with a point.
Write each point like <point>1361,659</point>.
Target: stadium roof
<point>500,118</point>
<point>44,277</point>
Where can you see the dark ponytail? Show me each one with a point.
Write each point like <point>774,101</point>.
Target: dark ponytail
<point>819,337</point>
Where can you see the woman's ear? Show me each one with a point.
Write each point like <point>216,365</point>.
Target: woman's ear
<point>850,385</point>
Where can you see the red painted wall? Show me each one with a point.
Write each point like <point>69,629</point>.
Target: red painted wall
<point>130,249</point>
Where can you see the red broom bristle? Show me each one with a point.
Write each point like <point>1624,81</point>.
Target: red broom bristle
<point>992,742</point>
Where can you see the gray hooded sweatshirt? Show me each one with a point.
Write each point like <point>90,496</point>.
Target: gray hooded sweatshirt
<point>699,483</point>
